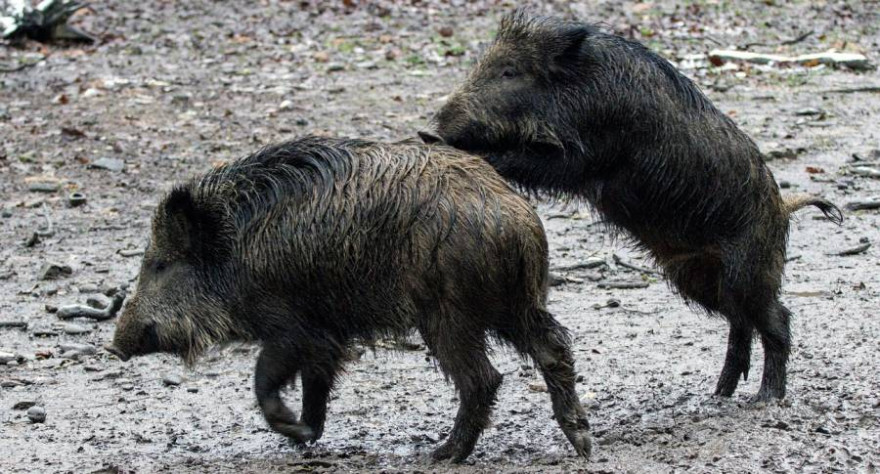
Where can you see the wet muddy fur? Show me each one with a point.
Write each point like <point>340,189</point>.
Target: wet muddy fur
<point>316,243</point>
<point>559,107</point>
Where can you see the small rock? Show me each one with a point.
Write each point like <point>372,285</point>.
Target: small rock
<point>43,184</point>
<point>809,112</point>
<point>301,122</point>
<point>335,67</point>
<point>130,252</point>
<point>6,357</point>
<point>192,389</point>
<point>79,349</point>
<point>110,164</point>
<point>285,105</point>
<point>88,288</point>
<point>446,31</point>
<point>44,332</point>
<point>51,309</point>
<point>74,329</point>
<point>784,185</point>
<point>98,301</point>
<point>54,271</point>
<point>321,57</point>
<point>172,380</point>
<point>6,214</point>
<point>36,414</point>
<point>537,387</point>
<point>24,405</point>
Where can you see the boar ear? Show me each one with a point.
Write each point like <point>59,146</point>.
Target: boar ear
<point>569,48</point>
<point>195,227</point>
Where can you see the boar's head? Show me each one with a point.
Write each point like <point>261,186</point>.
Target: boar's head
<point>182,301</point>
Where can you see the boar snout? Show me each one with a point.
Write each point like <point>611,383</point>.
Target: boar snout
<point>132,340</point>
<point>117,352</point>
<point>429,137</point>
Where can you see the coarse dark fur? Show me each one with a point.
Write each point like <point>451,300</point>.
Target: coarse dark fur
<point>560,107</point>
<point>312,244</point>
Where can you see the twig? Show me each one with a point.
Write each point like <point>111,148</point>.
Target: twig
<point>623,285</point>
<point>853,90</point>
<point>20,67</point>
<point>14,324</point>
<point>863,205</point>
<point>781,43</point>
<point>852,251</point>
<point>631,266</point>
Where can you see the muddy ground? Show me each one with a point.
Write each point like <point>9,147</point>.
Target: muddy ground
<point>176,87</point>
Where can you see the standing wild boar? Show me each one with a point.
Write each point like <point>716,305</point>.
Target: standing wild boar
<point>312,244</point>
<point>558,106</point>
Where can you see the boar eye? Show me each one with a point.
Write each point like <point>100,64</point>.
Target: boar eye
<point>509,73</point>
<point>160,266</point>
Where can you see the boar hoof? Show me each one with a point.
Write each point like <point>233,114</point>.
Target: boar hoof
<point>297,432</point>
<point>450,451</point>
<point>764,397</point>
<point>580,440</point>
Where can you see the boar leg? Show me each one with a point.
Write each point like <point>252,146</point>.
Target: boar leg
<point>736,363</point>
<point>317,383</point>
<point>275,368</point>
<point>548,344</point>
<point>462,356</point>
<point>775,333</point>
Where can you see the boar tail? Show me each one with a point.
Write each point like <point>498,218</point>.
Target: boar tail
<point>799,201</point>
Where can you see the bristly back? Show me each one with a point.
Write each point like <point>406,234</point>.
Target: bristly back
<point>304,168</point>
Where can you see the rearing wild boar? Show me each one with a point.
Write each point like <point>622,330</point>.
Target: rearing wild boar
<point>560,107</point>
<point>312,244</point>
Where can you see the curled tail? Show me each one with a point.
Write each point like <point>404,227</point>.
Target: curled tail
<point>798,201</point>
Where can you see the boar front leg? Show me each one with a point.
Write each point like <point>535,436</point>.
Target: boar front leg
<point>275,368</point>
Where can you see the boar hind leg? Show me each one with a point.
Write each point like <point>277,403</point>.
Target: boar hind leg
<point>462,356</point>
<point>774,329</point>
<point>317,383</point>
<point>275,368</point>
<point>736,363</point>
<point>548,344</point>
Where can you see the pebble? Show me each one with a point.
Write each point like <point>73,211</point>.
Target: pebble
<point>286,105</point>
<point>172,380</point>
<point>74,329</point>
<point>98,301</point>
<point>51,308</point>
<point>73,350</point>
<point>537,387</point>
<point>88,288</point>
<point>24,405</point>
<point>193,390</point>
<point>130,252</point>
<point>43,184</point>
<point>335,67</point>
<point>36,414</point>
<point>53,271</point>
<point>109,164</point>
<point>5,357</point>
<point>45,332</point>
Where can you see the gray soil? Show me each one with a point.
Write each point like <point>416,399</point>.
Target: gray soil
<point>176,87</point>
